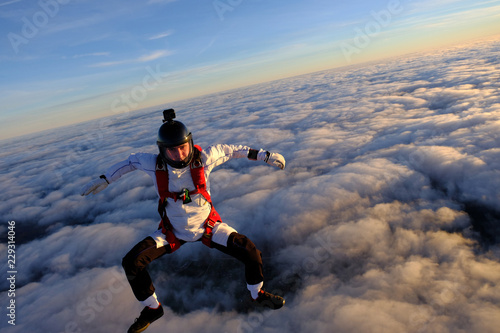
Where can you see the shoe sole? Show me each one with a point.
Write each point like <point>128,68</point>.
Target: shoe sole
<point>270,305</point>
<point>140,330</point>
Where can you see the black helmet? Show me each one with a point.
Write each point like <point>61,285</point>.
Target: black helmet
<point>174,134</point>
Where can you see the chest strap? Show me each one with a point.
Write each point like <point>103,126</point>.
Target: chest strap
<point>199,181</point>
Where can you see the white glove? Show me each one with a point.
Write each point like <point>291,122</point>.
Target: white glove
<point>275,159</point>
<point>95,186</point>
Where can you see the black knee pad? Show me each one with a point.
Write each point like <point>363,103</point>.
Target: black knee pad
<point>244,247</point>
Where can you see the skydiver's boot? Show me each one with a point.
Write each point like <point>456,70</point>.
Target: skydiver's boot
<point>147,316</point>
<point>269,300</point>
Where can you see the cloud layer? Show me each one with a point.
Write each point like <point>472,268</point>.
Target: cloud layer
<point>385,220</point>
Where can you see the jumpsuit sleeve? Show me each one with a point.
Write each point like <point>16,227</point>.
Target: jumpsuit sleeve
<point>139,161</point>
<point>217,154</point>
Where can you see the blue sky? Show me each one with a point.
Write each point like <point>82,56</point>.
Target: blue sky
<point>64,61</point>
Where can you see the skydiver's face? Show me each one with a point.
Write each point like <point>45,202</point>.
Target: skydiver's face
<point>179,153</point>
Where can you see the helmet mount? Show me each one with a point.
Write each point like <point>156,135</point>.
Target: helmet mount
<point>171,136</point>
<point>168,115</point>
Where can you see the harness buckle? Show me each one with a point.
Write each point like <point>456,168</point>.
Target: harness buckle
<point>206,239</point>
<point>184,195</point>
<point>211,224</point>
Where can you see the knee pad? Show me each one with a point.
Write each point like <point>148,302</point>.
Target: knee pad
<point>130,265</point>
<point>245,247</point>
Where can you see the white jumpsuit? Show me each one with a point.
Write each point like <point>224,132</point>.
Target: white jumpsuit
<point>187,219</point>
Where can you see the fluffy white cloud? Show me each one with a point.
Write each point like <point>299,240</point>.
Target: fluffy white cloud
<point>385,219</point>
